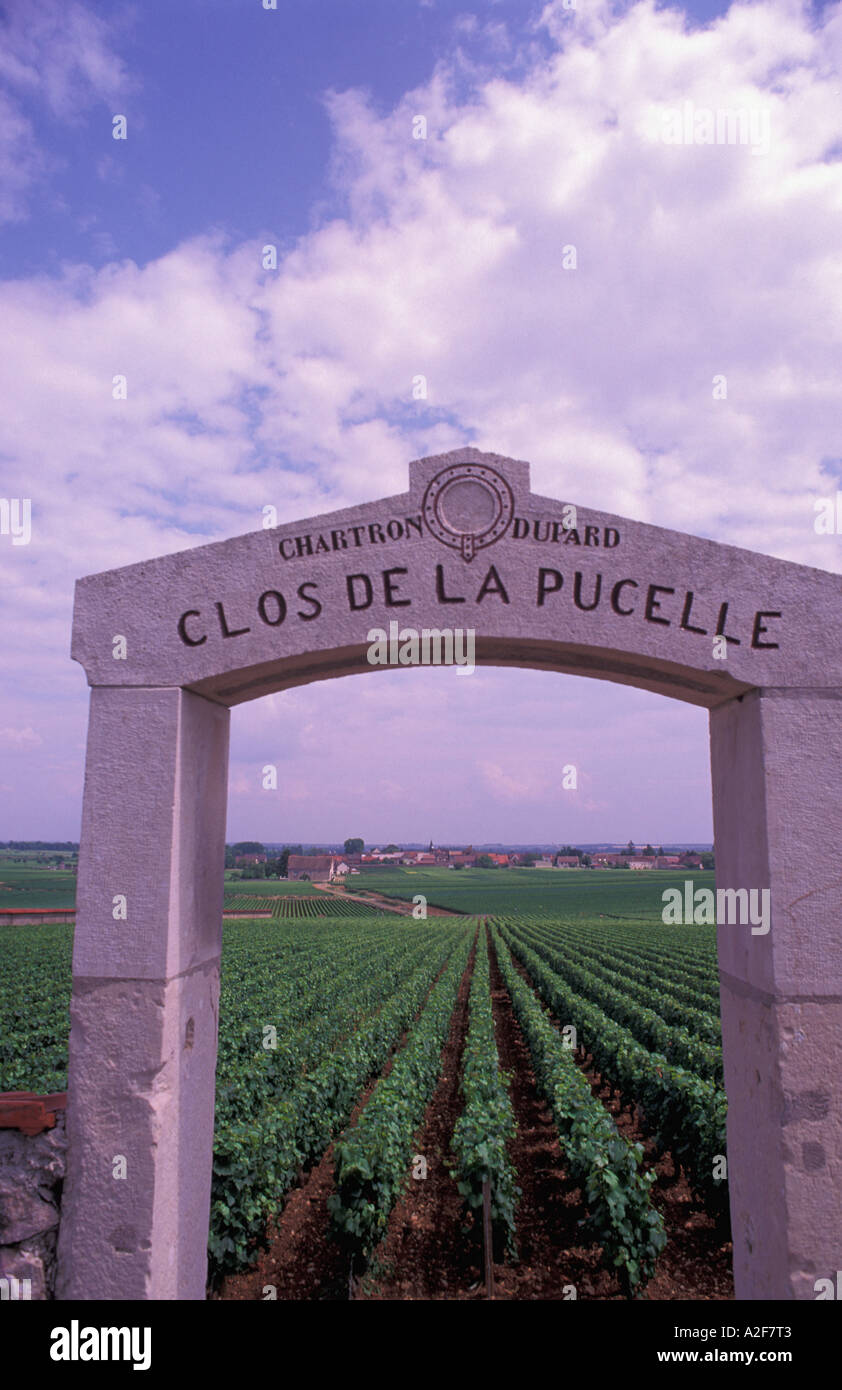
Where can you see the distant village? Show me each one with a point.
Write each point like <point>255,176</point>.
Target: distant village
<point>252,860</point>
<point>329,867</point>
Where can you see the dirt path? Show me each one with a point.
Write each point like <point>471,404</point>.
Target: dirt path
<point>553,1253</point>
<point>424,1255</point>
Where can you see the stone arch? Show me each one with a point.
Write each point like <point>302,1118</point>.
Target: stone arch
<point>543,584</point>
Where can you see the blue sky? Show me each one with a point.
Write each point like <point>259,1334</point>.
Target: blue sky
<point>247,126</point>
<point>228,120</point>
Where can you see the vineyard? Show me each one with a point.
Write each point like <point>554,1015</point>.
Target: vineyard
<point>300,908</point>
<point>620,894</point>
<point>273,888</point>
<point>375,1072</point>
<point>33,886</point>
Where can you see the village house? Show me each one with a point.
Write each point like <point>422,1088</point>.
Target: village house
<point>318,868</point>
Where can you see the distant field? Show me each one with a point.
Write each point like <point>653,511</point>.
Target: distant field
<point>633,894</point>
<point>31,885</point>
<point>271,888</point>
<point>627,893</point>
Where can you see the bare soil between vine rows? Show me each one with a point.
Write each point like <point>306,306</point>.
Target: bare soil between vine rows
<point>303,1262</point>
<point>431,1250</point>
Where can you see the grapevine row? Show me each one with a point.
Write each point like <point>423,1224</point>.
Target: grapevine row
<point>373,1159</point>
<point>608,1168</point>
<point>643,1021</point>
<point>257,1160</point>
<point>702,998</point>
<point>487,1123</point>
<point>685,1112</point>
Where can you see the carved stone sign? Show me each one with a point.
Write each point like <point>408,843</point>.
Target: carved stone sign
<point>170,644</point>
<point>605,596</point>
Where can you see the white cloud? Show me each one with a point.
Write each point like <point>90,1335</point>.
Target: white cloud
<point>61,52</point>
<point>293,387</point>
<point>57,60</point>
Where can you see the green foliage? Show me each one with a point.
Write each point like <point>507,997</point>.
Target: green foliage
<point>273,889</point>
<point>35,1006</point>
<point>685,1113</point>
<point>617,995</point>
<point>487,1124</point>
<point>608,1168</point>
<point>372,1160</point>
<point>683,996</point>
<point>278,1108</point>
<point>34,885</point>
<point>340,988</point>
<point>585,894</point>
<point>310,905</point>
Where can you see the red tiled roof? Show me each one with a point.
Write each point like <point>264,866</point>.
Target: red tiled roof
<point>28,1112</point>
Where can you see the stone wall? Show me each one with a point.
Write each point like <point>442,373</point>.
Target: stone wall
<point>32,1167</point>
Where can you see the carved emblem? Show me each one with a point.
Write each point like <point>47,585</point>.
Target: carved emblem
<point>468,507</point>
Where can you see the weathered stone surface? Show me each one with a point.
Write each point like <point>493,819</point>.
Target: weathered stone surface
<point>416,577</point>
<point>467,546</point>
<point>775,759</point>
<point>32,1169</point>
<point>23,1213</point>
<point>42,1154</point>
<point>784,1141</point>
<point>154,808</point>
<point>141,1100</point>
<point>29,1269</point>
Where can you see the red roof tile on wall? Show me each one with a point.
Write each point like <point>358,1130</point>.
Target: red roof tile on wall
<point>28,1112</point>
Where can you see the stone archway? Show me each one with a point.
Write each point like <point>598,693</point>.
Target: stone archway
<point>754,639</point>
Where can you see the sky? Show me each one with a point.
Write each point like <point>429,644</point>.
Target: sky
<point>291,386</point>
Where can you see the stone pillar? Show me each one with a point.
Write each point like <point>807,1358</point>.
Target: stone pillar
<point>776,758</point>
<point>145,998</point>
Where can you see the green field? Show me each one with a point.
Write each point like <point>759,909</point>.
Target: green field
<point>621,893</point>
<point>313,1007</point>
<point>35,961</point>
<point>272,888</point>
<point>35,967</point>
<point>633,895</point>
<point>31,885</point>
